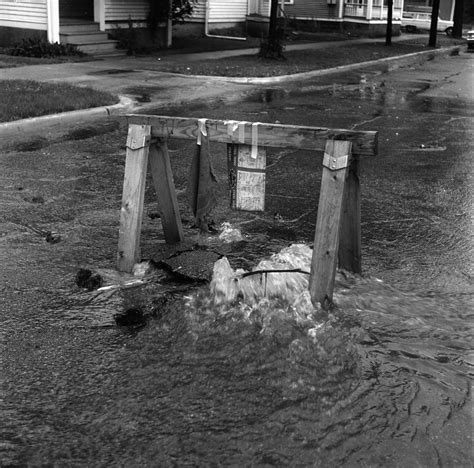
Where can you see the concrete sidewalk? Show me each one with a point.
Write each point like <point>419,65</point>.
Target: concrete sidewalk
<point>143,79</point>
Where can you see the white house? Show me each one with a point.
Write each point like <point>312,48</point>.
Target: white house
<point>81,21</point>
<point>365,16</point>
<point>84,22</point>
<point>209,15</point>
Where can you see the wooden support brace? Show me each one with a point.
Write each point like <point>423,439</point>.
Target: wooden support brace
<point>350,238</point>
<point>326,238</point>
<point>133,196</point>
<point>165,191</point>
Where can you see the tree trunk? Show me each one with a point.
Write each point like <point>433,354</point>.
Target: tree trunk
<point>272,28</point>
<point>272,48</point>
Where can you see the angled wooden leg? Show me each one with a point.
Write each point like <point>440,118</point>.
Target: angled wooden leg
<point>350,239</point>
<point>165,191</point>
<point>328,223</point>
<point>131,213</point>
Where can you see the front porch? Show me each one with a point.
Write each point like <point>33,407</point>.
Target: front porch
<point>368,17</point>
<point>86,23</point>
<point>83,15</point>
<point>372,9</point>
<point>86,35</point>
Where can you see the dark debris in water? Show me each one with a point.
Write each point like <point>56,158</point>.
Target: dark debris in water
<point>35,199</point>
<point>52,238</point>
<point>133,317</point>
<point>85,278</point>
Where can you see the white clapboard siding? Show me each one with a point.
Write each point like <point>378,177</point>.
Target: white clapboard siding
<point>123,10</point>
<point>199,12</point>
<point>221,11</point>
<point>264,7</point>
<point>309,9</point>
<point>27,14</point>
<point>227,11</point>
<point>303,9</point>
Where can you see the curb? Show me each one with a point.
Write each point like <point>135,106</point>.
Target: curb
<point>36,124</point>
<point>402,60</point>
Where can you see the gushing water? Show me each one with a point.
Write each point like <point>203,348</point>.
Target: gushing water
<point>379,370</point>
<point>270,280</point>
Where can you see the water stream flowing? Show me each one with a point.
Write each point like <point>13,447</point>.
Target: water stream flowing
<point>283,383</point>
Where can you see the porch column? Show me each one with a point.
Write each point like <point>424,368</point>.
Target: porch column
<point>369,8</point>
<point>99,13</point>
<point>451,17</point>
<point>341,9</point>
<point>52,10</point>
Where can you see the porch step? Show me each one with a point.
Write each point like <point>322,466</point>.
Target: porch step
<point>78,27</point>
<point>81,37</point>
<point>98,47</point>
<point>87,37</point>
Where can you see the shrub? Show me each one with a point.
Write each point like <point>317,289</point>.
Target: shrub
<point>41,49</point>
<point>160,11</point>
<point>133,40</point>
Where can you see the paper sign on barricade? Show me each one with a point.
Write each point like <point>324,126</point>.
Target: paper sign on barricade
<point>246,177</point>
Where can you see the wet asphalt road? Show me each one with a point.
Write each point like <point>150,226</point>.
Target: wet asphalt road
<point>78,392</point>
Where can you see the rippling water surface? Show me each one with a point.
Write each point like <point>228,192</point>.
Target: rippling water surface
<point>382,380</point>
<point>254,379</point>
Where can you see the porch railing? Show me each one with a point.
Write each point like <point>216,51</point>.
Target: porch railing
<point>378,10</point>
<point>355,9</point>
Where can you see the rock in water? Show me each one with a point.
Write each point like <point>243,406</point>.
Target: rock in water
<point>196,265</point>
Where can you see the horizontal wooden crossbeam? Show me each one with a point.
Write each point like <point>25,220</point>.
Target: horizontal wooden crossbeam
<point>270,135</point>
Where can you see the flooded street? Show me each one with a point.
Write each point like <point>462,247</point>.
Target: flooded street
<point>383,380</point>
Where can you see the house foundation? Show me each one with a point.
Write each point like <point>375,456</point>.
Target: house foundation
<point>12,36</point>
<point>369,29</point>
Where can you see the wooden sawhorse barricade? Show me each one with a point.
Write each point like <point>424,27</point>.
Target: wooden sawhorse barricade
<point>337,235</point>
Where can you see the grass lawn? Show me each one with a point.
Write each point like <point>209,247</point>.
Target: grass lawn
<point>9,61</point>
<point>21,99</point>
<point>298,61</point>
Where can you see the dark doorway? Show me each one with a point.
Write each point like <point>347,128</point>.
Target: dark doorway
<point>83,9</point>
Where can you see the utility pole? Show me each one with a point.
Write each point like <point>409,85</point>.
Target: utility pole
<point>457,18</point>
<point>388,34</point>
<point>434,23</point>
